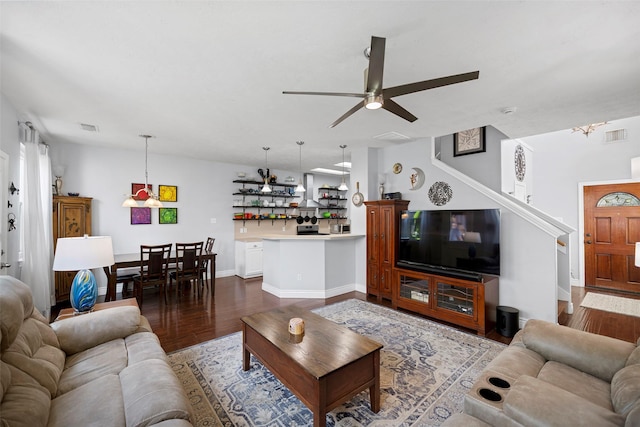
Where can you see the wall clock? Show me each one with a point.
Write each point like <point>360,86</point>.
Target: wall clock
<point>440,193</point>
<point>520,163</point>
<point>357,197</point>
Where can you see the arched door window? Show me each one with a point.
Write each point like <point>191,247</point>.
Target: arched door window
<point>618,199</point>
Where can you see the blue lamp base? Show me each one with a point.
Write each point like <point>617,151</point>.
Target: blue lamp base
<point>84,291</point>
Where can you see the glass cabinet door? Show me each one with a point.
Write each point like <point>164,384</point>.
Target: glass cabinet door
<point>456,298</point>
<point>414,288</point>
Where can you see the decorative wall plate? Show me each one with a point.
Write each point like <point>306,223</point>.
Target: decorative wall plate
<point>520,163</point>
<point>417,178</point>
<point>397,168</point>
<point>440,193</point>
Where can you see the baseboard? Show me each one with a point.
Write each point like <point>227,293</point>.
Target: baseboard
<point>297,293</point>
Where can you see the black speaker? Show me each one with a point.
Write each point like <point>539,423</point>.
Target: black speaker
<point>507,320</point>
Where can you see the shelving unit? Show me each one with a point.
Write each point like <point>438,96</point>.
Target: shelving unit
<point>332,200</point>
<point>252,201</point>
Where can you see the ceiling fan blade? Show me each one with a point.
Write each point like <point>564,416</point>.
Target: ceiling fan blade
<point>356,95</point>
<point>376,65</point>
<point>396,109</point>
<point>429,84</point>
<point>358,106</point>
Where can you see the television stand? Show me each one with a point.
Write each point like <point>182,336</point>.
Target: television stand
<point>469,303</point>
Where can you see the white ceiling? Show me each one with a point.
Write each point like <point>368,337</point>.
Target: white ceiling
<point>206,78</point>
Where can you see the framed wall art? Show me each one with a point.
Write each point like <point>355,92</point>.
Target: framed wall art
<point>168,215</point>
<point>469,141</point>
<point>140,216</point>
<point>135,187</point>
<point>168,193</point>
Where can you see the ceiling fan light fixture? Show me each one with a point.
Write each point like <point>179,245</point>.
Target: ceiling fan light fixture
<point>373,102</point>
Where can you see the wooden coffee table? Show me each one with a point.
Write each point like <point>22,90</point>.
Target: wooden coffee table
<point>328,366</point>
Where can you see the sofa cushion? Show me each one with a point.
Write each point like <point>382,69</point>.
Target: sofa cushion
<point>152,393</point>
<point>590,388</point>
<point>31,354</point>
<point>144,346</point>
<point>81,332</point>
<point>625,389</point>
<point>98,403</point>
<point>16,305</point>
<point>533,402</point>
<point>634,358</point>
<point>23,402</point>
<point>88,365</point>
<point>596,355</point>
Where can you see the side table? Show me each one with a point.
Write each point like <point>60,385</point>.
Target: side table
<point>70,312</point>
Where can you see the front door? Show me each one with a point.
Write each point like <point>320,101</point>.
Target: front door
<point>611,230</point>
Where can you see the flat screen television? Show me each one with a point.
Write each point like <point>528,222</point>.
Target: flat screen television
<point>463,243</point>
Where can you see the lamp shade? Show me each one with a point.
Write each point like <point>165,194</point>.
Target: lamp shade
<point>83,253</point>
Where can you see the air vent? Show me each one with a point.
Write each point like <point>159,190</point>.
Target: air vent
<point>392,137</point>
<point>89,128</point>
<point>615,135</point>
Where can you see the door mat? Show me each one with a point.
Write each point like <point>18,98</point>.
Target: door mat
<point>611,303</point>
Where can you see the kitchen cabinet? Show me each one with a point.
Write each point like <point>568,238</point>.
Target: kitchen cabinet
<point>71,218</point>
<point>383,222</point>
<point>467,303</point>
<point>249,258</point>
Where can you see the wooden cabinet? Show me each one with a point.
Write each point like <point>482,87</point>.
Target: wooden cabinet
<point>383,222</point>
<point>71,218</point>
<point>465,303</point>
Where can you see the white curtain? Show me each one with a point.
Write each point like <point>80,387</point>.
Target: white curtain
<point>38,235</point>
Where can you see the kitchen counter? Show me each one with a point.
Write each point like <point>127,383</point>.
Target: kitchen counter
<point>313,237</point>
<point>310,266</point>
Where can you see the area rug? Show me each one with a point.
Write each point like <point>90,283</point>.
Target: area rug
<point>611,303</point>
<point>426,370</point>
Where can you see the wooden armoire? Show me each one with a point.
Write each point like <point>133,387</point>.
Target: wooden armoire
<point>71,218</point>
<point>383,223</point>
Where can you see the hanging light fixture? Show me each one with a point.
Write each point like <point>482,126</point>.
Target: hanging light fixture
<point>152,200</point>
<point>266,188</point>
<point>588,129</point>
<point>343,186</point>
<point>300,188</point>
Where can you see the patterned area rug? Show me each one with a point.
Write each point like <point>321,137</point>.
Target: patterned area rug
<point>611,303</point>
<point>426,369</point>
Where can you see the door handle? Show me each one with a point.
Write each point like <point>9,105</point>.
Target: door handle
<point>588,242</point>
<point>4,265</point>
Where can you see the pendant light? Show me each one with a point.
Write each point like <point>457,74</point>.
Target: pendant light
<point>266,188</point>
<point>300,188</point>
<point>152,200</point>
<point>343,186</point>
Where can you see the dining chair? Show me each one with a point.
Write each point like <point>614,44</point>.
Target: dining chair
<point>204,266</point>
<point>154,269</point>
<point>187,264</point>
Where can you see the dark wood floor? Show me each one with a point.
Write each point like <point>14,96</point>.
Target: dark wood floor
<point>186,320</point>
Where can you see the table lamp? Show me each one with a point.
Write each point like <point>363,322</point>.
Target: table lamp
<point>83,253</point>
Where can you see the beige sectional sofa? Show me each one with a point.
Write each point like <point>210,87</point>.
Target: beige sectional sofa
<point>552,375</point>
<point>100,369</point>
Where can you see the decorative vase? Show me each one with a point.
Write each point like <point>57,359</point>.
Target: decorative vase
<point>84,291</point>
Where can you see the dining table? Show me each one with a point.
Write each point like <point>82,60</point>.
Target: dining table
<point>130,260</point>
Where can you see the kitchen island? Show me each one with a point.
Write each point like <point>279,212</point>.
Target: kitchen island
<point>310,266</point>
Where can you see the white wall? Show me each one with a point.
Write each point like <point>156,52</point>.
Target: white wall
<point>9,143</point>
<point>204,194</point>
<point>564,160</point>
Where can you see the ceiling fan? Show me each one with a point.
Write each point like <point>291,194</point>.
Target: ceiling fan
<point>375,96</point>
